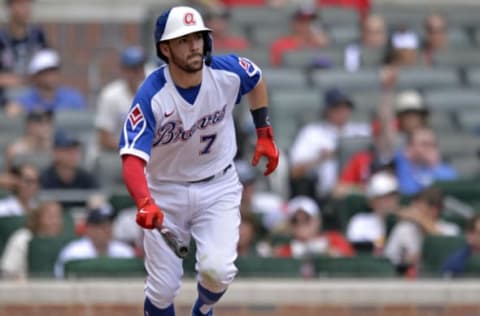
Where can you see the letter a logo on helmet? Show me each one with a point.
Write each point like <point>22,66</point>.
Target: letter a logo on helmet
<point>189,19</point>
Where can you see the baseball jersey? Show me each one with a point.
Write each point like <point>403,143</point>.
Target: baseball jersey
<point>182,141</point>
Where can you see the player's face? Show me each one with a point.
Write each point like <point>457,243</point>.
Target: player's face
<point>186,52</point>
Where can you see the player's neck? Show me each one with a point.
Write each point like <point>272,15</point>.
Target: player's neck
<point>185,79</point>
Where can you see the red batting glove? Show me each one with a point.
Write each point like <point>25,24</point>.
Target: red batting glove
<point>149,215</point>
<point>266,147</point>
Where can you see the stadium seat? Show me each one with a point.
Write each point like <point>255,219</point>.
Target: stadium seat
<point>427,78</point>
<point>68,197</point>
<point>105,267</point>
<point>442,121</point>
<point>264,36</point>
<point>372,58</point>
<point>77,122</point>
<point>473,76</point>
<point>452,99</point>
<point>121,201</point>
<point>464,189</point>
<point>109,170</point>
<point>458,144</point>
<point>259,56</point>
<point>343,34</point>
<point>366,100</point>
<point>472,269</point>
<point>252,266</point>
<point>8,225</point>
<point>252,18</point>
<point>285,79</point>
<point>12,126</point>
<point>332,15</point>
<point>313,58</point>
<point>469,119</point>
<point>43,253</point>
<point>39,160</point>
<point>362,266</point>
<point>345,208</point>
<point>362,80</point>
<point>466,166</point>
<point>457,57</point>
<point>435,250</point>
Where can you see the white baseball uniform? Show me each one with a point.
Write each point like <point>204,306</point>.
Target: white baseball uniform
<point>189,150</point>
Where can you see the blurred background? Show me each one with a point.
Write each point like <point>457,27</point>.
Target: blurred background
<point>375,106</point>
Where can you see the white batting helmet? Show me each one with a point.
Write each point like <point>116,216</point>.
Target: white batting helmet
<point>177,22</point>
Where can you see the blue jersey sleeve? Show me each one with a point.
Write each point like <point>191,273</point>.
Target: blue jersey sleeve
<point>138,129</point>
<point>248,72</point>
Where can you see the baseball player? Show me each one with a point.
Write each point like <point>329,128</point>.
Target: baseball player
<point>177,147</point>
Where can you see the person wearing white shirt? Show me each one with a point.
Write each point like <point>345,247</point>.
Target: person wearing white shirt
<point>420,218</point>
<point>370,228</point>
<point>116,97</point>
<point>98,241</point>
<point>315,146</point>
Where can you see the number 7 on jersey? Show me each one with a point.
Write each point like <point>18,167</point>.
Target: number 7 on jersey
<point>209,139</point>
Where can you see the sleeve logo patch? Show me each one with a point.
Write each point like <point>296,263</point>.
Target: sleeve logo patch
<point>250,68</point>
<point>136,116</point>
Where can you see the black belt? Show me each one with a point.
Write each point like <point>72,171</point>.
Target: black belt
<point>210,178</point>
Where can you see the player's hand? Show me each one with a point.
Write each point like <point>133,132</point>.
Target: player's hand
<point>266,147</point>
<point>149,215</point>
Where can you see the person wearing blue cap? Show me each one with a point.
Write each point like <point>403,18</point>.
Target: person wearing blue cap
<point>313,155</point>
<point>115,98</point>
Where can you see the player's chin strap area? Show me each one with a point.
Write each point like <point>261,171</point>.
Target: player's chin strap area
<point>213,176</point>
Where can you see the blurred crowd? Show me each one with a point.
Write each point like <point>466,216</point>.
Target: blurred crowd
<point>390,172</point>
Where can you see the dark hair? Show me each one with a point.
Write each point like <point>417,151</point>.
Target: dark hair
<point>433,196</point>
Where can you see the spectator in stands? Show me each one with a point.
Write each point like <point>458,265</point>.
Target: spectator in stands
<point>65,171</point>
<point>378,156</point>
<point>98,241</point>
<point>373,37</point>
<point>46,221</point>
<point>219,21</point>
<point>401,51</point>
<point>419,163</point>
<point>308,237</point>
<point>368,231</point>
<point>456,263</point>
<point>46,91</point>
<point>19,40</point>
<point>436,36</point>
<point>37,138</point>
<point>25,192</point>
<point>116,97</point>
<point>421,217</point>
<point>305,34</point>
<point>313,153</point>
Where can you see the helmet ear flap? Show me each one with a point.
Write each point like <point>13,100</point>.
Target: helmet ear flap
<point>207,47</point>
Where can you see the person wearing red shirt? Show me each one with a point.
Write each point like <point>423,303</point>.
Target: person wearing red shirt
<point>304,34</point>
